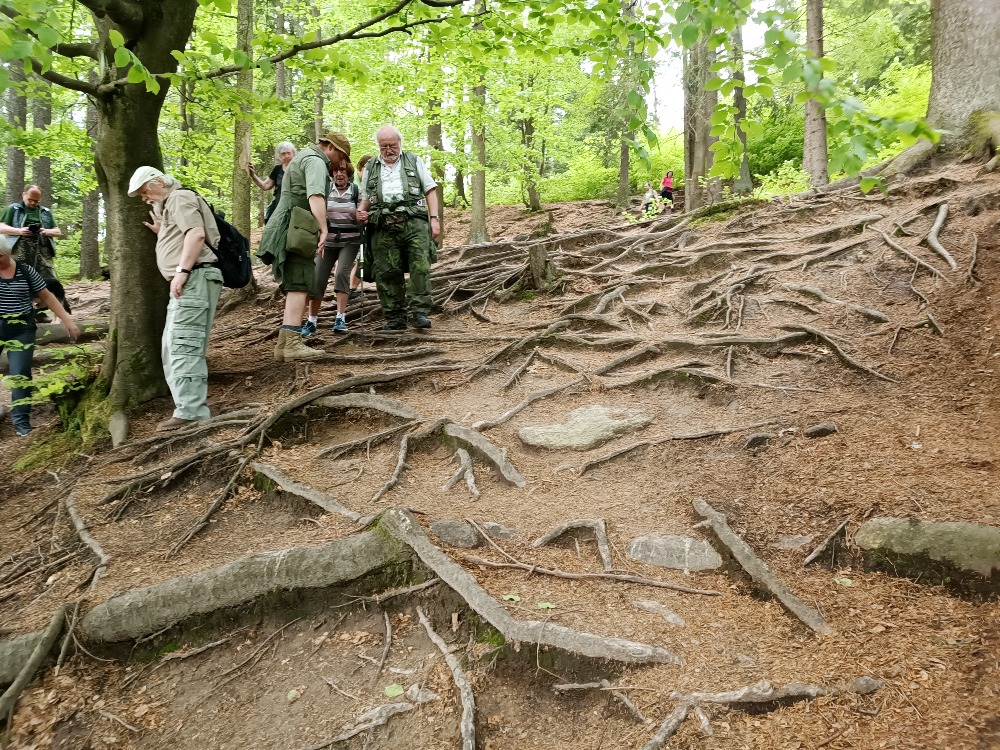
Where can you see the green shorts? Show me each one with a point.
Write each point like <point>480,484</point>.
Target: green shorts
<point>298,274</point>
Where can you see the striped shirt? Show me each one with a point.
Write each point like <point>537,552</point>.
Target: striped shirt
<point>17,293</point>
<point>342,217</point>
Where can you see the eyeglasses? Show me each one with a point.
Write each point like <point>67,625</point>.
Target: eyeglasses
<point>388,146</point>
<point>340,169</point>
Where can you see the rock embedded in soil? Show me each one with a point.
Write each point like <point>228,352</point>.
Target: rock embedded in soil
<point>498,531</point>
<point>945,549</point>
<point>456,534</point>
<point>655,608</point>
<point>118,427</point>
<point>675,552</point>
<point>758,440</point>
<point>588,427</point>
<point>822,429</point>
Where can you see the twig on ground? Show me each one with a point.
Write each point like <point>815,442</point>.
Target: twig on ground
<point>468,722</point>
<point>758,571</point>
<point>970,275</point>
<point>195,651</point>
<point>520,370</point>
<point>375,718</point>
<point>385,647</point>
<point>386,595</point>
<point>608,687</point>
<point>822,546</point>
<point>596,525</point>
<point>70,627</point>
<point>202,522</point>
<point>85,536</point>
<point>114,718</point>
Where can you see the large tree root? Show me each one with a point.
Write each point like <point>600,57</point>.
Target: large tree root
<point>596,526</point>
<point>286,484</point>
<point>902,250</point>
<point>404,527</point>
<point>935,243</point>
<point>390,406</point>
<point>760,693</point>
<point>467,725</point>
<point>758,571</point>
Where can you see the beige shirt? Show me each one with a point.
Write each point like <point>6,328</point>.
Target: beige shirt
<point>183,210</point>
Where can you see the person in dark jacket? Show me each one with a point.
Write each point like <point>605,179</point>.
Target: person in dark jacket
<point>283,153</point>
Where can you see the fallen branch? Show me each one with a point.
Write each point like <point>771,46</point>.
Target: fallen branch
<point>468,723</point>
<point>935,243</point>
<point>596,525</point>
<point>323,500</point>
<point>117,720</point>
<point>41,650</point>
<point>822,546</point>
<point>758,571</point>
<point>87,538</point>
<point>403,526</point>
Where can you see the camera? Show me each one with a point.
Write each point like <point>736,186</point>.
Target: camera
<point>34,227</point>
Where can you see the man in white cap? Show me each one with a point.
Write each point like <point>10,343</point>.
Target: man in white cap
<point>184,228</point>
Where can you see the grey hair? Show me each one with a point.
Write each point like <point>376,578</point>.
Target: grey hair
<point>393,129</point>
<point>168,181</point>
<point>284,146</point>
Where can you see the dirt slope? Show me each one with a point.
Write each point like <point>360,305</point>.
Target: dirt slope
<point>710,335</point>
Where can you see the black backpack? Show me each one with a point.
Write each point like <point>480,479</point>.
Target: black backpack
<point>233,252</point>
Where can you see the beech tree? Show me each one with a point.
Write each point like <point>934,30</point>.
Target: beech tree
<point>815,157</point>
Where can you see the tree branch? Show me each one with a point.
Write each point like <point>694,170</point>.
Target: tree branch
<point>358,32</point>
<point>67,82</point>
<point>66,49</point>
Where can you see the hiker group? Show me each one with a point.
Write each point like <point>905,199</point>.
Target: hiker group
<point>320,223</point>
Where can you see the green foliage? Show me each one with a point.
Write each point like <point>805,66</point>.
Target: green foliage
<point>786,179</point>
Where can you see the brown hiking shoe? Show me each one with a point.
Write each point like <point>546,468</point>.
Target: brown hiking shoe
<point>295,348</point>
<point>173,423</point>
<point>279,348</point>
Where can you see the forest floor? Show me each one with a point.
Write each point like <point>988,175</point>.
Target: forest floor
<point>700,324</point>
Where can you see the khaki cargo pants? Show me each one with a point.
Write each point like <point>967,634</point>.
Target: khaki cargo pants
<point>185,342</point>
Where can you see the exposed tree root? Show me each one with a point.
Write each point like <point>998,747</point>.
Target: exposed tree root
<point>402,525</point>
<point>479,444</point>
<point>970,276</point>
<point>607,686</point>
<point>596,526</point>
<point>760,692</point>
<point>877,315</point>
<point>326,502</point>
<point>758,571</point>
<point>844,357</point>
<point>527,401</point>
<point>336,451</point>
<point>935,243</point>
<point>467,724</point>
<point>516,346</point>
<point>43,645</point>
<point>369,720</point>
<point>370,401</point>
<point>103,559</point>
<point>404,447</point>
<point>464,471</point>
<point>900,249</point>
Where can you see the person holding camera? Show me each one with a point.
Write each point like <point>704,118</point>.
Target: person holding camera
<point>35,230</point>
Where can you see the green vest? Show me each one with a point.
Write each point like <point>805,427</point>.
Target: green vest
<point>411,203</point>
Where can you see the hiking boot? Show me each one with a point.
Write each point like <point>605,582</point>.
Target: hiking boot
<point>340,325</point>
<point>308,329</point>
<point>279,348</point>
<point>295,348</point>
<point>22,430</point>
<point>394,325</point>
<point>354,295</point>
<point>168,425</point>
<point>420,321</point>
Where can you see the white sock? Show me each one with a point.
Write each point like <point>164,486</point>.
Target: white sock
<point>314,319</point>
<point>340,316</point>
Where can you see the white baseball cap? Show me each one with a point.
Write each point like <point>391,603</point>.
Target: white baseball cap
<point>140,177</point>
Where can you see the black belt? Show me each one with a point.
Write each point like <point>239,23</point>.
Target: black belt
<point>196,266</point>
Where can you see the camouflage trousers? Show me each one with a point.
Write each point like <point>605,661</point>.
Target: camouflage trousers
<point>396,253</point>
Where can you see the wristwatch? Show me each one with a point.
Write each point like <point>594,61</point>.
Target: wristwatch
<point>433,216</point>
<point>182,269</point>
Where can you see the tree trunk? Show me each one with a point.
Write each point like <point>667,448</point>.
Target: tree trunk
<point>182,98</point>
<point>127,139</point>
<point>623,196</point>
<point>531,170</point>
<point>320,92</point>
<point>697,124</point>
<point>460,188</point>
<point>815,157</point>
<point>90,255</point>
<point>242,131</point>
<point>435,139</point>
<point>477,224</point>
<point>41,118</point>
<point>743,185</point>
<point>965,75</point>
<point>17,117</point>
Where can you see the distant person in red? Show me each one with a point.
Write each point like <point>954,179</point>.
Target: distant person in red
<point>667,188</point>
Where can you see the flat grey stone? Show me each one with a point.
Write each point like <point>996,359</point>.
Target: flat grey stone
<point>118,427</point>
<point>655,608</point>
<point>676,552</point>
<point>588,427</point>
<point>820,430</point>
<point>498,531</point>
<point>792,541</point>
<point>907,544</point>
<point>456,534</point>
<point>758,440</point>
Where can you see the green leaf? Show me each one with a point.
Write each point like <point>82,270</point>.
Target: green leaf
<point>689,35</point>
<point>511,598</point>
<point>116,38</point>
<point>714,85</point>
<point>122,57</point>
<point>136,74</point>
<point>394,690</point>
<point>546,605</point>
<point>48,36</point>
<point>843,581</point>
